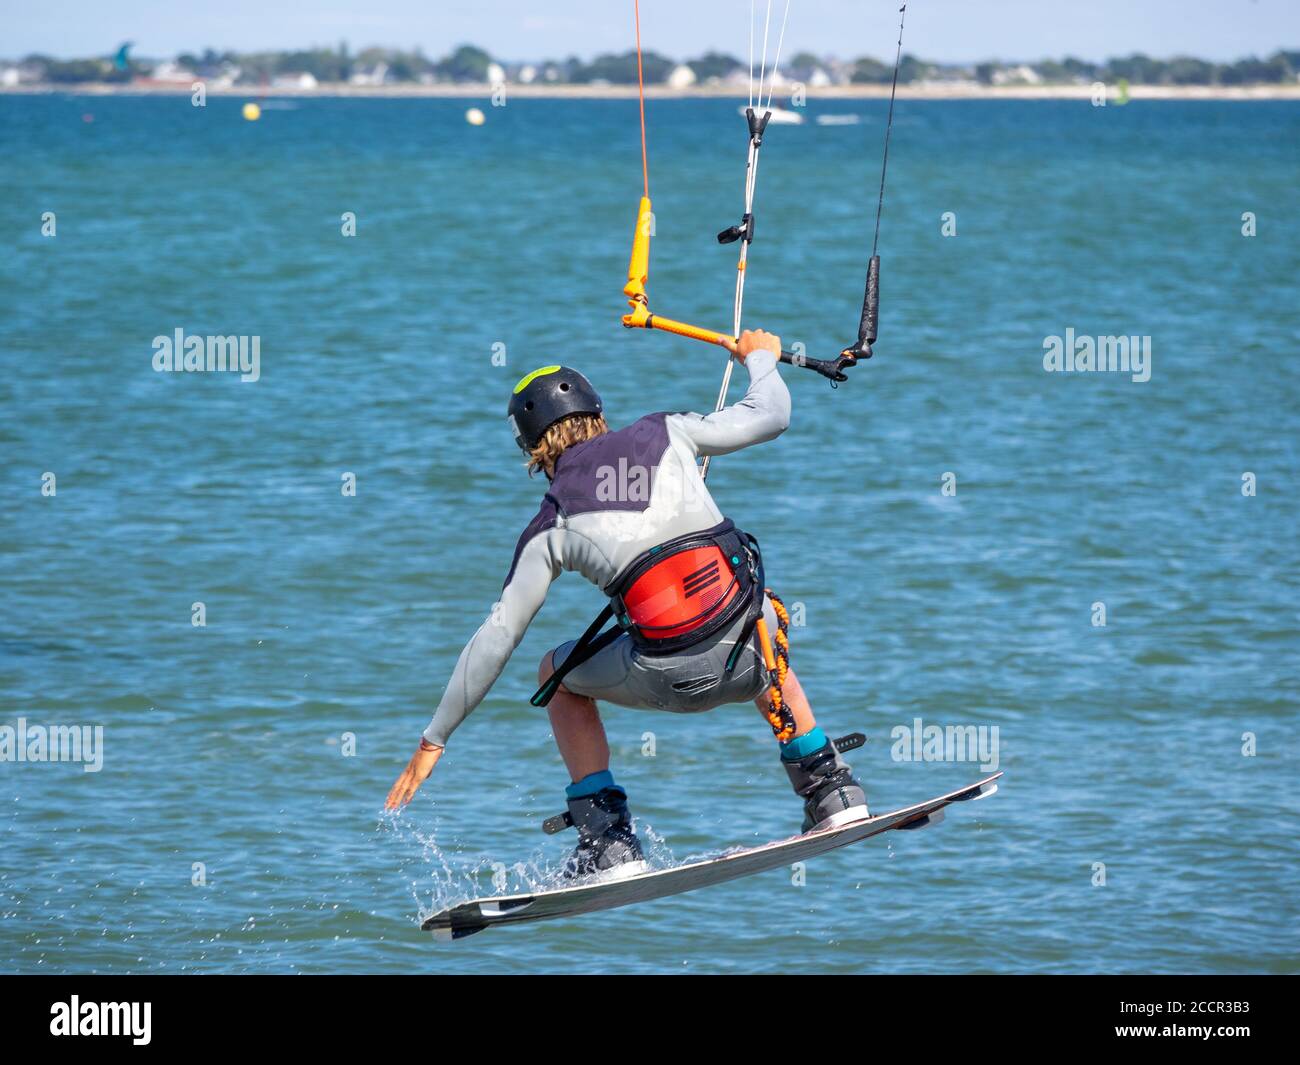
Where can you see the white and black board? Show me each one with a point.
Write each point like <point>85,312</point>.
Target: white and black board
<point>469,917</point>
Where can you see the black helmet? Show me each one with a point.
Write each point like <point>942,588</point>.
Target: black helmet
<point>544,397</point>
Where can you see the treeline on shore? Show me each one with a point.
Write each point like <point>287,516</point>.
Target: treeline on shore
<point>471,64</point>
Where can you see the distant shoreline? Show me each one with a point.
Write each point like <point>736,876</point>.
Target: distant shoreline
<point>659,92</point>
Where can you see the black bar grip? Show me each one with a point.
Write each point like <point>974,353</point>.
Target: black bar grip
<point>870,307</point>
<point>829,368</point>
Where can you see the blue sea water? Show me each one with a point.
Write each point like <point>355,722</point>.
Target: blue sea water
<point>1146,821</point>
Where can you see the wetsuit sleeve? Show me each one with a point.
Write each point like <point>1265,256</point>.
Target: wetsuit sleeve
<point>762,414</point>
<point>536,565</point>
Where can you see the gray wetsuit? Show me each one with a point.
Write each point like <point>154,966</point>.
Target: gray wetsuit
<point>612,498</point>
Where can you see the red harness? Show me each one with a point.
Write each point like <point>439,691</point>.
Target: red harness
<point>680,593</point>
<point>675,596</point>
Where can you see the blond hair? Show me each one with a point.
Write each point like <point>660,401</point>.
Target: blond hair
<point>575,429</point>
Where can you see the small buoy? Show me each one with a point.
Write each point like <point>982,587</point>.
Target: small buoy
<point>252,112</point>
<point>87,117</point>
<point>475,117</point>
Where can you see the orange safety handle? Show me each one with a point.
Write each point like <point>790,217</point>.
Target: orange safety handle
<point>638,267</point>
<point>638,273</point>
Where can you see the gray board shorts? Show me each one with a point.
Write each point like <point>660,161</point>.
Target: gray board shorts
<point>688,682</point>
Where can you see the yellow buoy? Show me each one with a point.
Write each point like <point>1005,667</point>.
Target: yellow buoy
<point>252,112</point>
<point>475,117</point>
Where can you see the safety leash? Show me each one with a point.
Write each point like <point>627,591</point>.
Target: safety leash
<point>776,657</point>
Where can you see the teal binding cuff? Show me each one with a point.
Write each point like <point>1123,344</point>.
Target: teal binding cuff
<point>590,784</point>
<point>802,746</point>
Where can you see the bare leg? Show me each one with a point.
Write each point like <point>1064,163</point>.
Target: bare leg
<point>795,699</point>
<point>579,734</point>
<point>606,838</point>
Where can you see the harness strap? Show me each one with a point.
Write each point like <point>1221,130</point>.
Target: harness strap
<point>588,645</point>
<point>755,607</point>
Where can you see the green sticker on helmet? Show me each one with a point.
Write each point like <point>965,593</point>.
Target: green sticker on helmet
<point>526,381</point>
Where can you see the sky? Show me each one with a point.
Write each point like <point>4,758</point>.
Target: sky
<point>942,30</point>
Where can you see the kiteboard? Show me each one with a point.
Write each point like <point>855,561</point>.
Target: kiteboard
<point>594,894</point>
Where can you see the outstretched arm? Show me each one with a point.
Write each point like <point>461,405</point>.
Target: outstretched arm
<point>762,414</point>
<point>484,657</point>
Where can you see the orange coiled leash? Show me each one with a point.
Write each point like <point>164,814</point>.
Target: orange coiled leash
<point>776,657</point>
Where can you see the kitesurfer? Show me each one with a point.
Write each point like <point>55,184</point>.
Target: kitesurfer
<point>629,510</point>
